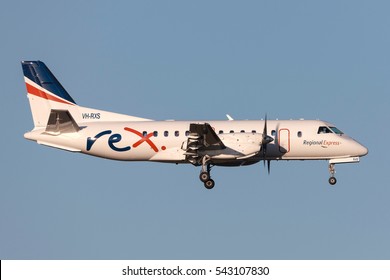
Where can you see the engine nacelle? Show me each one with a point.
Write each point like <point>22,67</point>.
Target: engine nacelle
<point>244,143</point>
<point>238,145</point>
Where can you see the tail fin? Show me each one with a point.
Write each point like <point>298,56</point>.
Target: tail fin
<point>44,92</point>
<point>49,101</point>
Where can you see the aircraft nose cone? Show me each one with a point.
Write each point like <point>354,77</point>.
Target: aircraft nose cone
<point>362,150</point>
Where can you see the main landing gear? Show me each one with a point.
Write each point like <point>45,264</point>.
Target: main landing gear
<point>204,175</point>
<point>332,171</point>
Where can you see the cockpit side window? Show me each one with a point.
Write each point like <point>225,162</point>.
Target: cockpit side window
<point>323,130</point>
<point>336,130</point>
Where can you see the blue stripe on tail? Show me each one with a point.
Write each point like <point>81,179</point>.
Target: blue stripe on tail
<point>38,72</point>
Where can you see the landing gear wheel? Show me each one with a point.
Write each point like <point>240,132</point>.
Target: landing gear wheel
<point>209,184</point>
<point>332,180</point>
<point>204,176</point>
<point>332,171</point>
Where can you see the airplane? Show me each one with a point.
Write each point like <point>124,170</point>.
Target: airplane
<point>60,123</point>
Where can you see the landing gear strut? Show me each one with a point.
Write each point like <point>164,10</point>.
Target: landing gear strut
<point>332,171</point>
<point>204,175</point>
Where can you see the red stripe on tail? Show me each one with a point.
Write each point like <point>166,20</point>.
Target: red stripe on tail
<point>40,93</point>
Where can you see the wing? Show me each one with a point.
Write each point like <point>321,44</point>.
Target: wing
<point>202,138</point>
<point>205,136</point>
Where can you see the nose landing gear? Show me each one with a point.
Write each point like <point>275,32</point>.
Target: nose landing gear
<point>332,171</point>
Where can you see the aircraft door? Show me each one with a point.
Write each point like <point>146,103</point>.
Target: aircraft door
<point>284,140</point>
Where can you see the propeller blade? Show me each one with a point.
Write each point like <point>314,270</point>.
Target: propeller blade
<point>266,139</point>
<point>265,126</point>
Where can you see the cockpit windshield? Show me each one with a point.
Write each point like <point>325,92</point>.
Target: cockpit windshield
<point>332,129</point>
<point>336,130</point>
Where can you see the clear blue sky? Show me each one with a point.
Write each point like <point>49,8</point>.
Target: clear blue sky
<point>198,60</point>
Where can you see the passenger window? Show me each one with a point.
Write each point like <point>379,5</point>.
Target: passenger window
<point>273,132</point>
<point>242,131</point>
<point>299,134</point>
<point>155,133</point>
<point>166,133</point>
<point>187,132</point>
<point>220,132</point>
<point>231,131</point>
<point>144,133</point>
<point>177,133</point>
<point>253,131</point>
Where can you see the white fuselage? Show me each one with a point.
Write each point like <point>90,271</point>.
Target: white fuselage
<point>60,123</point>
<point>163,141</point>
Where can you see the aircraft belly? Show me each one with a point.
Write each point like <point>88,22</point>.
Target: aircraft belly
<point>169,155</point>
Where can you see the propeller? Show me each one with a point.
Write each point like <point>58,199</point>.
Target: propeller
<point>264,142</point>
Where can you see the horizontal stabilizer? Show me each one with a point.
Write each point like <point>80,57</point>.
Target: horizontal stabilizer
<point>57,146</point>
<point>61,121</point>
